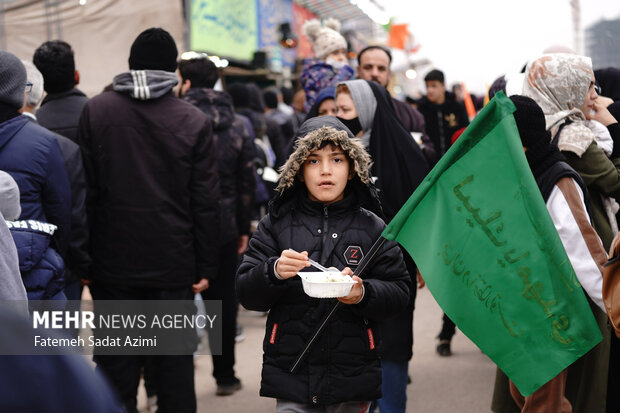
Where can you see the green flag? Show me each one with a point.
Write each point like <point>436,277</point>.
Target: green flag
<point>485,244</point>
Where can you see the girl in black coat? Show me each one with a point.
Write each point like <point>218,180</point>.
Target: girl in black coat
<point>319,213</point>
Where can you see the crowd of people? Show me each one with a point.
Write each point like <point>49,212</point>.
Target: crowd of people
<point>166,185</point>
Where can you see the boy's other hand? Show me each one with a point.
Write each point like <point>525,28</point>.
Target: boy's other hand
<point>291,262</point>
<point>357,291</point>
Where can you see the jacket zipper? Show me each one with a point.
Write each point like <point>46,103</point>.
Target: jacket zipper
<point>325,216</point>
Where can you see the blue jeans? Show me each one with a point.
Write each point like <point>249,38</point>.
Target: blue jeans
<point>394,387</point>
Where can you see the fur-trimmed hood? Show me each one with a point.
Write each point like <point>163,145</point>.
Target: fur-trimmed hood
<point>313,134</point>
<point>313,141</point>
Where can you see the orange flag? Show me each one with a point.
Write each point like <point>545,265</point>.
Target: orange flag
<point>469,103</point>
<point>398,36</point>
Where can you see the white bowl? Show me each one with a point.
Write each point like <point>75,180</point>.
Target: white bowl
<point>317,284</point>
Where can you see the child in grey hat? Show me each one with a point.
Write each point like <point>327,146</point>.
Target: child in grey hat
<point>330,66</point>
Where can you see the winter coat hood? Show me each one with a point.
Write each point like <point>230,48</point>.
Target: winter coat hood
<point>319,131</point>
<point>145,84</point>
<point>314,141</point>
<point>217,105</point>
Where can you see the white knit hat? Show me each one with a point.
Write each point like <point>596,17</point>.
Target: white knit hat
<point>325,39</point>
<point>10,206</point>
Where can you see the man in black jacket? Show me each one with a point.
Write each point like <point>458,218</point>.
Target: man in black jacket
<point>60,110</point>
<point>443,114</point>
<point>235,151</point>
<point>77,258</point>
<point>153,203</point>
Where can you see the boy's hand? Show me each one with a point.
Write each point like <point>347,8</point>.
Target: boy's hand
<point>357,291</point>
<point>291,262</point>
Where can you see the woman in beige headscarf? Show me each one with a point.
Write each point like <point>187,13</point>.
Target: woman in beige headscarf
<point>563,85</point>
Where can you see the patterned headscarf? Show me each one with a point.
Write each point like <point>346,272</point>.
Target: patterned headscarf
<point>559,83</point>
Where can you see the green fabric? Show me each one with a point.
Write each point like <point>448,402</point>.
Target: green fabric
<point>586,383</point>
<point>602,178</point>
<point>491,256</point>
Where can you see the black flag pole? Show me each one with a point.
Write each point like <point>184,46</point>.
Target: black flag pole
<point>360,268</point>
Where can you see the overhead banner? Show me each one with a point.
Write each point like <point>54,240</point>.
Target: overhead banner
<point>226,28</point>
<point>271,14</point>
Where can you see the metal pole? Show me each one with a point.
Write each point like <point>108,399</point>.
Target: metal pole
<point>187,4</point>
<point>2,26</point>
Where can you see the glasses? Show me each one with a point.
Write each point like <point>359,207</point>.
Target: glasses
<point>28,87</point>
<point>597,88</point>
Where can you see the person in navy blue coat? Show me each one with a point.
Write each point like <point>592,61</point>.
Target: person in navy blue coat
<point>31,155</point>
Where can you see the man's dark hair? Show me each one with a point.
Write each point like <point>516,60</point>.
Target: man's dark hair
<point>287,95</point>
<point>372,47</point>
<point>201,72</point>
<point>434,75</point>
<point>55,61</point>
<point>270,98</point>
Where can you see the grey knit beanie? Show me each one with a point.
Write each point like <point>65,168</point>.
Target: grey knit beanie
<point>12,80</point>
<point>10,206</point>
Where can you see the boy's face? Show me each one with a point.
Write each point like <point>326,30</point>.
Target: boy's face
<point>435,91</point>
<point>326,173</point>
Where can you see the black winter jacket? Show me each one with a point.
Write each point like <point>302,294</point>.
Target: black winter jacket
<point>235,151</point>
<point>153,186</point>
<point>60,112</point>
<point>442,121</point>
<point>344,364</point>
<point>77,259</point>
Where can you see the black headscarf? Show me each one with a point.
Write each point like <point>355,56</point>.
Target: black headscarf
<point>398,160</point>
<point>541,154</point>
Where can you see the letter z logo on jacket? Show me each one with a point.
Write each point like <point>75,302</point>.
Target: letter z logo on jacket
<point>353,255</point>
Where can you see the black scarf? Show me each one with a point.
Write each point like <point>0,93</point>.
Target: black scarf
<point>398,160</point>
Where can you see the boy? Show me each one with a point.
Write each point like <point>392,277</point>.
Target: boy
<point>318,213</point>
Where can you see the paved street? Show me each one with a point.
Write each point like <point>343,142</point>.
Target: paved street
<point>461,383</point>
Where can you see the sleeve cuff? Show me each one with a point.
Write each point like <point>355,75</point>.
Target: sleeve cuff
<point>363,294</point>
<point>276,272</point>
<point>271,272</point>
